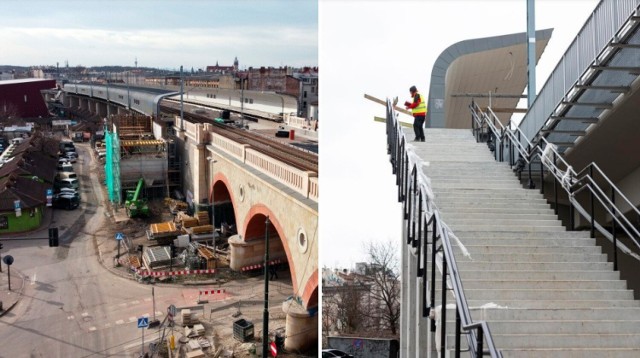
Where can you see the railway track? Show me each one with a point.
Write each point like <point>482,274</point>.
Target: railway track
<point>296,157</point>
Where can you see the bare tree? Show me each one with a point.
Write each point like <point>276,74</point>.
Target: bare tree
<point>343,306</point>
<point>383,274</point>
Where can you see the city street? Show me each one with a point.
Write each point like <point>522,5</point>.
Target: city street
<point>74,305</point>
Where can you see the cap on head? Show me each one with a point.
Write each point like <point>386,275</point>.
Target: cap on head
<point>413,89</point>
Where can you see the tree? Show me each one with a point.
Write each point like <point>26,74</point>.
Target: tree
<point>385,286</point>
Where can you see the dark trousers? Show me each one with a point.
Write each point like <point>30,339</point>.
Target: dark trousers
<point>418,127</point>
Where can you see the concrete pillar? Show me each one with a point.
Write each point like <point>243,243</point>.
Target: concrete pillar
<point>300,327</point>
<point>84,104</point>
<point>101,109</point>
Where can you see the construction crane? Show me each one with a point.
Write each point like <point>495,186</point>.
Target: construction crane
<point>135,205</point>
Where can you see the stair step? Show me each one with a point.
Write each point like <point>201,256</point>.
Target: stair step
<point>537,266</point>
<point>468,276</point>
<point>480,248</point>
<point>558,305</point>
<point>498,210</point>
<point>496,284</point>
<point>560,326</point>
<point>548,294</point>
<point>481,215</point>
<point>523,258</point>
<point>571,353</point>
<point>488,193</point>
<point>523,235</point>
<point>578,341</point>
<point>507,228</point>
<point>529,242</point>
<point>487,201</point>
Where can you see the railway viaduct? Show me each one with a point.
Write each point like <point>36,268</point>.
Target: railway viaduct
<point>252,185</point>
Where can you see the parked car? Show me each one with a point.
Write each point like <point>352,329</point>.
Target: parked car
<point>66,175</point>
<point>330,353</point>
<point>65,167</point>
<point>71,156</point>
<point>66,201</point>
<point>67,191</point>
<point>69,183</point>
<point>67,145</point>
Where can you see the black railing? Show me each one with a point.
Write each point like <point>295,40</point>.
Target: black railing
<point>422,218</point>
<point>589,181</point>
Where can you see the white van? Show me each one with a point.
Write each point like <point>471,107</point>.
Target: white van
<point>67,183</point>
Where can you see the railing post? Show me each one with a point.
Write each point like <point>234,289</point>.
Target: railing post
<point>555,188</point>
<point>408,213</point>
<point>541,177</point>
<point>480,348</point>
<point>425,282</point>
<point>613,230</point>
<point>443,310</point>
<point>419,238</point>
<point>593,226</point>
<point>415,217</point>
<point>458,333</point>
<point>571,219</point>
<point>434,237</point>
<point>531,184</point>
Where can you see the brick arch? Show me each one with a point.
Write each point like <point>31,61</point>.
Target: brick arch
<point>310,293</point>
<point>221,179</point>
<point>263,211</point>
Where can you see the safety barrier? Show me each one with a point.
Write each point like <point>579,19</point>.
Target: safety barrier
<point>145,273</point>
<point>259,266</point>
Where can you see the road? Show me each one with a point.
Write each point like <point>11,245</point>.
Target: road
<point>72,306</point>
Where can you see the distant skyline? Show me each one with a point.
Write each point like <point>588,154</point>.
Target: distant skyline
<point>160,33</point>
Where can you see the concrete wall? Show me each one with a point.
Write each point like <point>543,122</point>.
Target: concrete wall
<point>365,347</point>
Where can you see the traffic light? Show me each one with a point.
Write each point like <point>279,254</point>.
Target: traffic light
<point>0,246</point>
<point>53,237</point>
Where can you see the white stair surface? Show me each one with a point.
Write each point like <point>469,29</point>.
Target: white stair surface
<point>557,294</point>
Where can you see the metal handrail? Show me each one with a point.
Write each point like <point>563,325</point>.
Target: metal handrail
<point>577,183</point>
<point>410,191</point>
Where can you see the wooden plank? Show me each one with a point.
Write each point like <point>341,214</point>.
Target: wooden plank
<point>384,103</point>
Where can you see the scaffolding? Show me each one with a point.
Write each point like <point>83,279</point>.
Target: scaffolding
<point>112,165</point>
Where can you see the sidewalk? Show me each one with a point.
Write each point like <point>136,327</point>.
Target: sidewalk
<point>10,298</point>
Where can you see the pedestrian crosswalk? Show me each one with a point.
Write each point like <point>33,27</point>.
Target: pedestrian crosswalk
<point>126,313</point>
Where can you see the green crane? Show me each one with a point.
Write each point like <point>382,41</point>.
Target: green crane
<point>135,205</point>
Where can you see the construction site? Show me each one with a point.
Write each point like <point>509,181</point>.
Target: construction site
<point>140,173</point>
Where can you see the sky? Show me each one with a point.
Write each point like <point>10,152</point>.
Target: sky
<point>382,48</point>
<point>160,33</point>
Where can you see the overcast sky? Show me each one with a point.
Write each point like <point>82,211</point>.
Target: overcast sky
<point>382,48</point>
<point>160,33</point>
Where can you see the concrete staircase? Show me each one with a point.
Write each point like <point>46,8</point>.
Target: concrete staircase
<point>558,295</point>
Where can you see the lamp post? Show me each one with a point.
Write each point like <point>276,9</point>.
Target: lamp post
<point>213,209</point>
<point>265,317</point>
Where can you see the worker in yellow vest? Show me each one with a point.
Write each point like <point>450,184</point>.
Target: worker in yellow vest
<point>419,110</point>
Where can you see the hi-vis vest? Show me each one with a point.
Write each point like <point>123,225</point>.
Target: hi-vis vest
<point>420,108</point>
